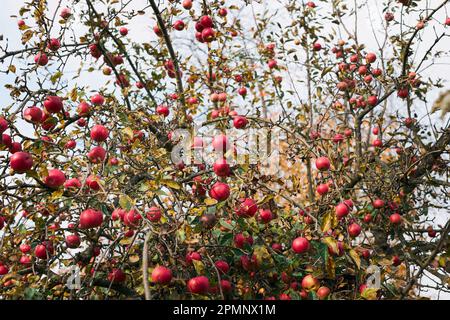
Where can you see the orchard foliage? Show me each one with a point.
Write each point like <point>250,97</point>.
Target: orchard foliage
<point>92,119</point>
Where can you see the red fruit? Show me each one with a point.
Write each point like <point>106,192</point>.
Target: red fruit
<point>65,13</point>
<point>277,247</point>
<point>323,292</point>
<point>132,218</point>
<point>97,100</point>
<point>208,34</point>
<point>53,104</point>
<point>371,57</point>
<point>389,16</point>
<point>240,240</point>
<point>21,161</point>
<point>71,144</point>
<point>193,256</point>
<point>44,250</point>
<point>395,218</point>
<point>372,100</point>
<point>362,70</point>
<point>93,182</point>
<point>220,191</point>
<point>157,31</point>
<point>403,93</point>
<point>123,31</point>
<point>368,218</point>
<point>366,254</point>
<point>377,143</point>
<point>24,248</point>
<point>117,276</point>
<point>240,122</point>
<point>272,64</point>
<point>322,163</point>
<point>223,12</point>
<point>97,154</point>
<point>15,147</point>
<point>205,22</point>
<point>6,140</point>
<point>99,133</point>
<point>3,125</point>
<point>32,114</point>
<point>90,218</point>
<point>220,143</point>
<point>378,203</point>
<point>20,23</point>
<point>354,230</point>
<point>3,270</point>
<point>247,208</point>
<point>53,44</point>
<point>73,183</point>
<point>163,110</point>
<point>310,283</point>
<point>348,132</point>
<point>311,4</point>
<point>317,46</point>
<point>178,25</point>
<point>73,241</point>
<point>300,245</point>
<point>265,215</point>
<point>222,266</point>
<point>322,189</point>
<point>447,21</point>
<point>198,285</point>
<point>25,260</point>
<point>55,178</point>
<point>375,130</point>
<point>161,275</point>
<point>249,264</point>
<point>221,168</point>
<point>338,138</point>
<point>154,214</point>
<point>41,59</point>
<point>396,261</point>
<point>187,4</point>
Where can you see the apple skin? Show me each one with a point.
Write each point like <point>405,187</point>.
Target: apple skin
<point>265,215</point>
<point>117,276</point>
<point>73,241</point>
<point>97,154</point>
<point>240,240</point>
<point>323,293</point>
<point>322,189</point>
<point>55,178</point>
<point>222,266</point>
<point>53,104</point>
<point>247,208</point>
<point>163,110</point>
<point>310,283</point>
<point>220,191</point>
<point>32,114</point>
<point>220,143</point>
<point>378,204</point>
<point>240,122</point>
<point>21,162</point>
<point>190,256</point>
<point>221,168</point>
<point>342,210</point>
<point>354,230</point>
<point>395,218</point>
<point>161,275</point>
<point>154,214</point>
<point>41,59</point>
<point>123,31</point>
<point>97,100</point>
<point>322,163</point>
<point>90,218</point>
<point>44,250</point>
<point>99,133</point>
<point>300,245</point>
<point>198,285</point>
<point>72,183</point>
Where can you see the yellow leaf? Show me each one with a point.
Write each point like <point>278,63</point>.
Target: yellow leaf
<point>329,221</point>
<point>12,68</point>
<point>355,257</point>
<point>171,184</point>
<point>199,267</point>
<point>369,293</point>
<point>134,258</point>
<point>330,268</point>
<point>57,194</point>
<point>128,132</point>
<point>210,201</point>
<point>125,202</point>
<point>331,243</point>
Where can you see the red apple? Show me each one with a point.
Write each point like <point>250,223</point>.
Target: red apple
<point>99,133</point>
<point>220,191</point>
<point>21,162</point>
<point>53,104</point>
<point>55,178</point>
<point>162,275</point>
<point>300,245</point>
<point>322,163</point>
<point>354,230</point>
<point>154,214</point>
<point>198,285</point>
<point>90,218</point>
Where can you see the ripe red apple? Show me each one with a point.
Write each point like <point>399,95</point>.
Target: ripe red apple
<point>54,44</point>
<point>208,34</point>
<point>300,245</point>
<point>378,204</point>
<point>323,292</point>
<point>354,230</point>
<point>53,104</point>
<point>154,214</point>
<point>25,248</point>
<point>310,283</point>
<point>221,168</point>
<point>41,59</point>
<point>265,215</point>
<point>240,122</point>
<point>222,266</point>
<point>73,183</point>
<point>32,114</point>
<point>65,13</point>
<point>220,143</point>
<point>99,133</point>
<point>132,218</point>
<point>377,143</point>
<point>198,285</point>
<point>55,178</point>
<point>178,25</point>
<point>396,261</point>
<point>3,125</point>
<point>372,100</point>
<point>247,208</point>
<point>73,241</point>
<point>97,100</point>
<point>220,191</point>
<point>395,218</point>
<point>161,275</point>
<point>123,31</point>
<point>71,144</point>
<point>322,189</point>
<point>341,210</point>
<point>117,276</point>
<point>371,57</point>
<point>187,4</point>
<point>163,110</point>
<point>93,182</point>
<point>90,218</point>
<point>97,154</point>
<point>21,162</point>
<point>272,64</point>
<point>317,46</point>
<point>193,255</point>
<point>206,22</point>
<point>322,163</point>
<point>240,240</point>
<point>44,250</point>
